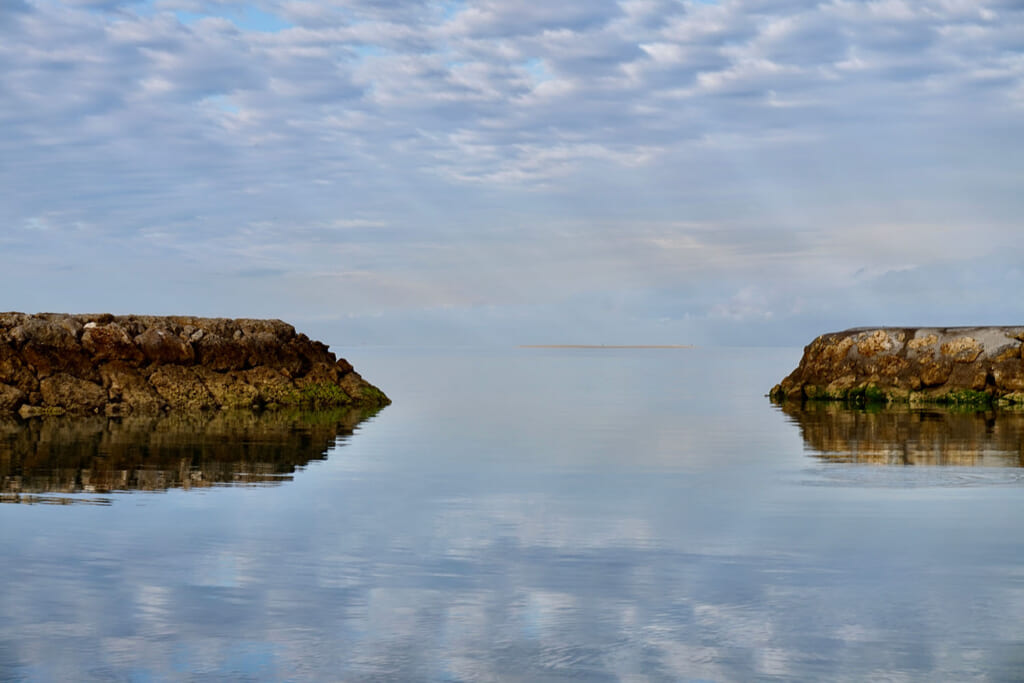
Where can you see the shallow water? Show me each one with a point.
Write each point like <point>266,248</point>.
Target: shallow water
<point>524,514</point>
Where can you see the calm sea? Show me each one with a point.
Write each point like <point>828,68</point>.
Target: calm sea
<point>520,515</point>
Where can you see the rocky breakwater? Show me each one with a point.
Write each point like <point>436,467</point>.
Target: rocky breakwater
<point>956,365</point>
<point>90,364</point>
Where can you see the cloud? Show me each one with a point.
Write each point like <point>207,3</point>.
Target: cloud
<point>814,137</point>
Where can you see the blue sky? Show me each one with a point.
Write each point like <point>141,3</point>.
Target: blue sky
<point>594,171</point>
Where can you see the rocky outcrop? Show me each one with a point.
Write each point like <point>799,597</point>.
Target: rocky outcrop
<point>960,365</point>
<point>91,364</point>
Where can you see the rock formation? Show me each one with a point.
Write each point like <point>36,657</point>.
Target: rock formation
<point>90,364</point>
<point>959,365</point>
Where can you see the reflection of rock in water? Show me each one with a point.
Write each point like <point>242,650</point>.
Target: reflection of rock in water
<point>902,436</point>
<point>99,455</point>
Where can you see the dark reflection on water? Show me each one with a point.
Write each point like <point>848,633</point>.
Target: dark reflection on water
<point>97,455</point>
<point>905,436</point>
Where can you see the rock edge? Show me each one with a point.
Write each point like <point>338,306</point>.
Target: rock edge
<point>917,365</point>
<point>54,363</point>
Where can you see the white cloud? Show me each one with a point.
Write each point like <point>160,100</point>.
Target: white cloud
<point>437,126</point>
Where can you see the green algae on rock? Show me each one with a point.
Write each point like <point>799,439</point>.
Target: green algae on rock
<point>960,366</point>
<point>52,363</point>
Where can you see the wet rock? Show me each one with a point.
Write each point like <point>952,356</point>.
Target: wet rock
<point>129,390</point>
<point>181,388</point>
<point>73,394</point>
<point>229,389</point>
<point>935,372</point>
<point>272,386</point>
<point>1008,375</point>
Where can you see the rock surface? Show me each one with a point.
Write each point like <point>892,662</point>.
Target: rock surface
<point>54,363</point>
<point>960,365</point>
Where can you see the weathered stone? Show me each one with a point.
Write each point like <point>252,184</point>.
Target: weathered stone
<point>129,390</point>
<point>161,345</point>
<point>220,353</point>
<point>961,365</point>
<point>48,348</point>
<point>322,373</point>
<point>925,343</point>
<point>51,363</point>
<point>14,372</point>
<point>181,388</point>
<point>11,398</point>
<point>1009,376</point>
<point>110,342</point>
<point>43,333</point>
<point>72,394</point>
<point>1008,352</point>
<point>968,375</point>
<point>962,349</point>
<point>273,387</point>
<point>935,372</point>
<point>870,344</point>
<point>229,389</point>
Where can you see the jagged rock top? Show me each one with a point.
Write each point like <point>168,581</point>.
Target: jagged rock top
<point>51,362</point>
<point>915,364</point>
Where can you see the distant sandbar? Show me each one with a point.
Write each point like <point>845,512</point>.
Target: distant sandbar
<point>606,346</point>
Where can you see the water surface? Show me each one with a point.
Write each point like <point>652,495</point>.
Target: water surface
<point>543,514</point>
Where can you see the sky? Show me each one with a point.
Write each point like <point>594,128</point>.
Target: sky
<point>740,172</point>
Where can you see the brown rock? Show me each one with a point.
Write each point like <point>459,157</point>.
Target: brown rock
<point>971,376</point>
<point>110,342</point>
<point>11,398</point>
<point>43,333</point>
<point>936,372</point>
<point>272,386</point>
<point>962,350</point>
<point>320,373</point>
<point>357,387</point>
<point>924,344</point>
<point>265,348</point>
<point>888,367</point>
<point>870,344</point>
<point>181,388</point>
<point>73,394</point>
<point>220,353</point>
<point>49,348</point>
<point>162,346</point>
<point>146,364</point>
<point>1008,376</point>
<point>229,389</point>
<point>128,388</point>
<point>1009,352</point>
<point>14,373</point>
